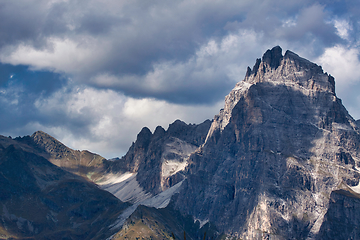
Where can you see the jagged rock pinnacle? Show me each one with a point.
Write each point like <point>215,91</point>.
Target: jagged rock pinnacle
<point>273,57</point>
<point>289,69</point>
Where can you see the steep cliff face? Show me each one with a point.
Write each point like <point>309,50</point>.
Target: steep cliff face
<point>159,158</point>
<point>342,220</point>
<point>275,154</point>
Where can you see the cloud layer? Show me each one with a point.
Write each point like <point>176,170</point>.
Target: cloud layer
<point>92,73</point>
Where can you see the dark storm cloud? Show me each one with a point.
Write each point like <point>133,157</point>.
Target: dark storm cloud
<point>132,36</point>
<point>137,35</point>
<point>310,23</point>
<point>163,39</point>
<point>129,37</point>
<point>18,23</point>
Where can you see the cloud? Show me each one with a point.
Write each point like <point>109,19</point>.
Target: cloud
<point>343,28</point>
<point>125,45</point>
<point>343,63</point>
<point>64,55</point>
<point>203,79</point>
<point>93,73</point>
<point>310,24</point>
<point>107,122</point>
<point>19,88</point>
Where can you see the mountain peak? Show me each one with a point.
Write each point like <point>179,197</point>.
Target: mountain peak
<point>49,143</point>
<point>291,70</point>
<point>143,138</point>
<point>43,134</point>
<point>273,57</point>
<point>282,140</point>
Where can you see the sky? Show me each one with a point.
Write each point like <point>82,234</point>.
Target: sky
<point>93,73</point>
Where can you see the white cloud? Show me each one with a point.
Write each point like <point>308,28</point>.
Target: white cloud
<point>342,27</point>
<point>61,55</point>
<point>343,63</point>
<point>215,63</point>
<point>9,96</point>
<point>115,119</point>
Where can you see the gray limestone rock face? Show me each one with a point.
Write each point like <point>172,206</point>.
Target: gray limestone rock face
<point>275,154</point>
<point>159,158</point>
<point>342,220</point>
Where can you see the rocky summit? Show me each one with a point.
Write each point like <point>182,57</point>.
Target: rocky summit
<point>281,160</point>
<point>159,158</point>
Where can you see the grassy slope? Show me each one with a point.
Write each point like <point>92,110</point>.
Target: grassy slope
<point>151,223</point>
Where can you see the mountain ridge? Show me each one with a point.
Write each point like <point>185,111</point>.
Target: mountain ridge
<point>83,163</point>
<point>160,157</point>
<point>281,160</point>
<point>42,201</point>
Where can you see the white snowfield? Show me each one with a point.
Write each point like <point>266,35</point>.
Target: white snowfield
<point>175,158</point>
<point>124,187</point>
<point>162,199</point>
<point>127,189</point>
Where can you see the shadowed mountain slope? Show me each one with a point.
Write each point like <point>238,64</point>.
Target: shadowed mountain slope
<point>41,201</point>
<point>152,223</point>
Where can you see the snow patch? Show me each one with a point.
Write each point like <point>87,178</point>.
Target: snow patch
<point>114,178</point>
<point>159,201</point>
<point>241,85</point>
<point>162,199</point>
<point>202,222</point>
<point>175,158</point>
<point>170,168</point>
<point>124,187</point>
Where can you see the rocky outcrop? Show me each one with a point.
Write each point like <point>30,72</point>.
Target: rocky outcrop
<point>342,220</point>
<point>274,155</point>
<point>164,223</point>
<point>159,158</point>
